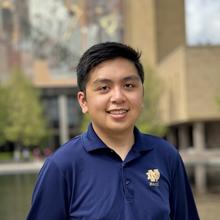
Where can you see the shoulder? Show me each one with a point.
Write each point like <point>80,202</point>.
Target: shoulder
<point>158,143</point>
<point>67,155</point>
<point>70,148</point>
<point>161,148</point>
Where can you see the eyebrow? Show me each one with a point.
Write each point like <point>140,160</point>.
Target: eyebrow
<point>101,81</point>
<point>128,78</point>
<point>135,78</point>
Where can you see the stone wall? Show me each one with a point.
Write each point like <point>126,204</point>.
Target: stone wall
<point>203,82</point>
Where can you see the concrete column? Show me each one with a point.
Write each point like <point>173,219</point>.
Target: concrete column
<point>63,119</point>
<point>199,145</point>
<point>183,137</point>
<point>199,136</point>
<point>200,178</point>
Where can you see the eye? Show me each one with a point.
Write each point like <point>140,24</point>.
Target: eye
<point>103,89</point>
<point>129,85</point>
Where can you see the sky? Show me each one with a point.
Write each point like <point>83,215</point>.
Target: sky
<point>202,22</point>
<point>202,19</point>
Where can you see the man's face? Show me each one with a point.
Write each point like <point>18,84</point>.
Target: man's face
<point>113,96</point>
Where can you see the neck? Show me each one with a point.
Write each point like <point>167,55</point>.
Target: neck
<point>120,142</point>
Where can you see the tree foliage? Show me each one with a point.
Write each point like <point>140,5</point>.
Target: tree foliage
<point>3,114</point>
<point>150,122</point>
<point>85,122</point>
<point>218,102</point>
<point>26,125</point>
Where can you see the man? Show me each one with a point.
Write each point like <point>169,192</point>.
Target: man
<point>113,171</point>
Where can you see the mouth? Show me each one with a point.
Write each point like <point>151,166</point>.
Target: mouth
<point>117,111</point>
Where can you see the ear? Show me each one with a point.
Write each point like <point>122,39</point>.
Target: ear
<point>81,96</point>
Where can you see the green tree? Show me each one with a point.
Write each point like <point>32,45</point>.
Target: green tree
<point>85,122</point>
<point>3,114</point>
<point>218,102</point>
<point>150,122</point>
<point>26,125</point>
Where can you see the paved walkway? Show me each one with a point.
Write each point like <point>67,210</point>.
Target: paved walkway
<point>206,157</point>
<point>20,167</point>
<point>208,206</point>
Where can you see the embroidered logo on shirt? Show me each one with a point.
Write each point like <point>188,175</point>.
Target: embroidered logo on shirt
<point>153,177</point>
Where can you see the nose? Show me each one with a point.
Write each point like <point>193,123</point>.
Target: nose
<point>117,96</point>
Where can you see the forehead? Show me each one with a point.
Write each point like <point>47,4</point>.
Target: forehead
<point>117,68</point>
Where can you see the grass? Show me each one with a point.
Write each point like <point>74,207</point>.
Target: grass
<point>4,156</point>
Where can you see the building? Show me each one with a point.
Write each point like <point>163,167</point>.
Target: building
<point>86,23</point>
<point>191,77</point>
<point>58,89</point>
<point>49,57</point>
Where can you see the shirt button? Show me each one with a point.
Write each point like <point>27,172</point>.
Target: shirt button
<point>127,181</point>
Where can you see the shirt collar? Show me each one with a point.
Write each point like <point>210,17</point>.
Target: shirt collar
<point>92,142</point>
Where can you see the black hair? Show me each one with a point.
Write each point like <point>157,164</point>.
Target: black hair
<point>102,52</point>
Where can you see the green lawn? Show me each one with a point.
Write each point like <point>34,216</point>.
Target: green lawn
<point>4,156</point>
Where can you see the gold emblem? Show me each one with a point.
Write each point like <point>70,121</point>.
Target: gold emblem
<point>153,176</point>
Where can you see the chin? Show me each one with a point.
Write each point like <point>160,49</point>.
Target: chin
<point>119,127</point>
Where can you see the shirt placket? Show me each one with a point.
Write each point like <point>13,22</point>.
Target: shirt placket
<point>127,184</point>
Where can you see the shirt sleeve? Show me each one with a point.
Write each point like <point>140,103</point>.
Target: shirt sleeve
<point>182,203</point>
<point>49,200</point>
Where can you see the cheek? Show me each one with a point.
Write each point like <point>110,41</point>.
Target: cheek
<point>95,103</point>
<point>138,101</point>
<point>139,106</point>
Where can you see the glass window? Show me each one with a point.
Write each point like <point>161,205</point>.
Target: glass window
<point>74,113</point>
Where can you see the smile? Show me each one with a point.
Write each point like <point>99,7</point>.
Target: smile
<point>117,111</point>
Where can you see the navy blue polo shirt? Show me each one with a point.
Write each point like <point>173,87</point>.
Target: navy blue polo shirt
<point>86,180</point>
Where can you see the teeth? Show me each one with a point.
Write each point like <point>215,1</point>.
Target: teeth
<point>118,112</point>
